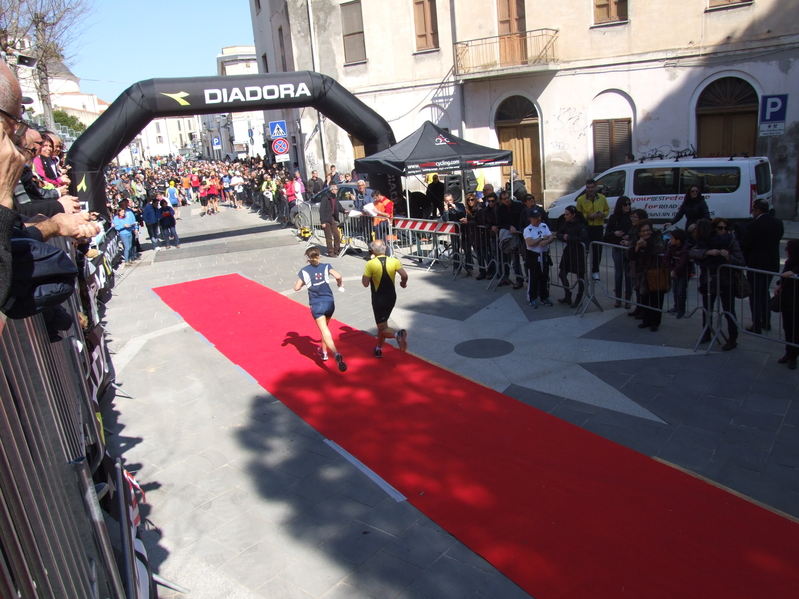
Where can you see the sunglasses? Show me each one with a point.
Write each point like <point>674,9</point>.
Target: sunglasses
<point>721,228</point>
<point>21,127</point>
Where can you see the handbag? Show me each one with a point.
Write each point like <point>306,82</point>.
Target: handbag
<point>742,287</point>
<point>658,279</point>
<point>775,303</point>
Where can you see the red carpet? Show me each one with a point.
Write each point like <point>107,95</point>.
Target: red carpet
<point>559,510</point>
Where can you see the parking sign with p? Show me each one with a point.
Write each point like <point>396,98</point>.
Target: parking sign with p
<point>773,112</point>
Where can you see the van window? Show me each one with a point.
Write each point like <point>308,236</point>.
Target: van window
<point>612,184</point>
<point>763,178</point>
<point>655,181</point>
<point>711,179</point>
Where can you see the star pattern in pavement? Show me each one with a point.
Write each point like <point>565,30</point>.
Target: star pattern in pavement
<point>546,357</point>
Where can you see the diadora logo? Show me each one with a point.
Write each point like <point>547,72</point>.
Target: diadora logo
<point>443,141</point>
<point>256,93</point>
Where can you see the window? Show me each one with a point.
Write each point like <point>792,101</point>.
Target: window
<point>257,6</point>
<point>608,11</point>
<point>711,179</point>
<point>655,181</point>
<point>612,142</point>
<point>714,3</point>
<point>611,185</point>
<point>159,139</point>
<point>181,140</point>
<point>763,178</point>
<point>179,126</point>
<point>265,63</point>
<point>426,21</point>
<point>282,44</point>
<point>352,29</point>
<point>157,127</point>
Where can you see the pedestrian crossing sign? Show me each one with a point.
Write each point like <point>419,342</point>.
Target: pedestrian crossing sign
<point>277,129</point>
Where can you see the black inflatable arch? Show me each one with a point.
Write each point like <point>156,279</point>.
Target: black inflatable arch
<point>154,98</point>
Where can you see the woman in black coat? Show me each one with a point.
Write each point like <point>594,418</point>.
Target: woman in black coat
<point>575,233</point>
<point>788,292</point>
<point>619,224</point>
<point>646,254</point>
<point>693,208</point>
<point>716,245</point>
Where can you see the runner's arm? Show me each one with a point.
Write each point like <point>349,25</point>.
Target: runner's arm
<point>337,275</point>
<point>403,278</point>
<point>298,285</point>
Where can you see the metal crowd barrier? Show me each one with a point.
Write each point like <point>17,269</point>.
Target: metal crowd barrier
<point>741,312</point>
<point>54,542</point>
<point>607,271</point>
<point>428,242</point>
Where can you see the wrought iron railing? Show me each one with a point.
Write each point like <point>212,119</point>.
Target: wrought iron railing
<point>501,52</point>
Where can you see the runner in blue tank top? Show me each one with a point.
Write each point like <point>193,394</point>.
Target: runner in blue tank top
<point>315,277</point>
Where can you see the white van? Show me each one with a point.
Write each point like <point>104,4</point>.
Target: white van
<point>729,186</point>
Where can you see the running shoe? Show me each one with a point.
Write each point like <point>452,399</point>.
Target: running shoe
<point>534,304</point>
<point>546,302</point>
<point>378,352</point>
<point>341,365</point>
<point>322,354</point>
<point>402,339</point>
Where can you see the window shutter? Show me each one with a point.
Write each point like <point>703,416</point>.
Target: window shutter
<point>602,146</point>
<point>433,14</point>
<point>602,11</point>
<point>621,140</point>
<point>352,30</point>
<point>621,10</point>
<point>422,42</point>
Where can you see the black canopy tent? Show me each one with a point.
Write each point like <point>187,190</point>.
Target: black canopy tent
<point>430,149</point>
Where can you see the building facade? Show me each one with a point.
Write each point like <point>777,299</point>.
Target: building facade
<point>570,87</point>
<point>239,134</point>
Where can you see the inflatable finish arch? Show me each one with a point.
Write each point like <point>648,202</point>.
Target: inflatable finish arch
<point>155,98</point>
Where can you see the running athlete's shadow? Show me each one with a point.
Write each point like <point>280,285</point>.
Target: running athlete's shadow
<point>306,346</point>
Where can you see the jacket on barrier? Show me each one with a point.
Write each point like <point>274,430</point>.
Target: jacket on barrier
<point>573,258</point>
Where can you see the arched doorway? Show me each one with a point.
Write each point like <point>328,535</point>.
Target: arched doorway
<point>726,118</point>
<point>516,123</point>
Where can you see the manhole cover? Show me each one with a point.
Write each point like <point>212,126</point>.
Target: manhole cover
<point>484,348</point>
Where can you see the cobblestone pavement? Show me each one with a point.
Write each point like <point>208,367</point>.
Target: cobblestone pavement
<point>245,500</point>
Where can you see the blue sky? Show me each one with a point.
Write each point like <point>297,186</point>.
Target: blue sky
<point>126,41</point>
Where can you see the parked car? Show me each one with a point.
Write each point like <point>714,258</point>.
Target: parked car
<point>729,186</point>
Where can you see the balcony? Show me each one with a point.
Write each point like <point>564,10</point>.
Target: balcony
<point>506,54</point>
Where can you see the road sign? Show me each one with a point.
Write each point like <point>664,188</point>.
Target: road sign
<point>135,150</point>
<point>277,129</point>
<point>216,142</point>
<point>280,146</point>
<point>773,110</point>
<point>282,158</point>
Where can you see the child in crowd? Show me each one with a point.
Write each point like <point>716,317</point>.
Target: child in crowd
<point>677,261</point>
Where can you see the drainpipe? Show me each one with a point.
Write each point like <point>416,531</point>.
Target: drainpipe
<point>461,97</point>
<point>314,62</point>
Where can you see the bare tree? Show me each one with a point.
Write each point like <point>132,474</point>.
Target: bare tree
<point>56,26</point>
<point>45,30</point>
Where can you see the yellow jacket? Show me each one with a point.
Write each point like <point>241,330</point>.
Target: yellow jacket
<point>599,204</point>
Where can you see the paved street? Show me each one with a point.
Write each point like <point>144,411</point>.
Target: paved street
<point>246,500</point>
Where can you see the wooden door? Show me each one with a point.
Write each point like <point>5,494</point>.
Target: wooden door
<point>523,141</point>
<point>512,26</point>
<point>727,134</point>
